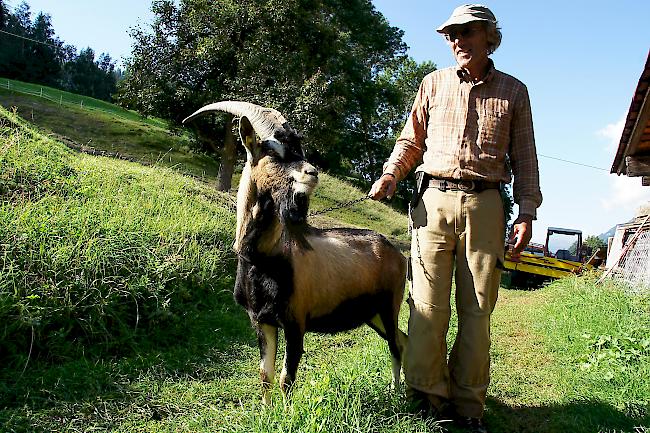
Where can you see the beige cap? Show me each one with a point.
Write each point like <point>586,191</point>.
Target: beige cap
<point>467,13</point>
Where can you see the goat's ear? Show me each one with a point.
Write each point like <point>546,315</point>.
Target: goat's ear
<point>247,134</point>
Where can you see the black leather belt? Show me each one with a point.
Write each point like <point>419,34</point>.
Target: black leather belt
<point>462,185</point>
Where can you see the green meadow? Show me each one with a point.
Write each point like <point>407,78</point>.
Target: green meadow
<point>117,315</point>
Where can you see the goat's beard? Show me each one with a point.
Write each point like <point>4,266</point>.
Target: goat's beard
<point>293,210</point>
<point>293,213</point>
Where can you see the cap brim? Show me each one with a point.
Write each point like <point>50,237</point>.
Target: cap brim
<point>458,21</point>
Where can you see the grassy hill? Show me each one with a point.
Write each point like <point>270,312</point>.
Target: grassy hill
<point>100,127</point>
<point>70,100</point>
<point>117,312</point>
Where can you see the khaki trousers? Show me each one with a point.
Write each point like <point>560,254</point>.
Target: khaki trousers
<point>465,231</point>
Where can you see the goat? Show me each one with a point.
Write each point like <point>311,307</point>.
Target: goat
<point>292,275</point>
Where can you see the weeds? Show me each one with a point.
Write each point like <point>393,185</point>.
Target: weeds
<point>616,354</point>
<point>600,333</point>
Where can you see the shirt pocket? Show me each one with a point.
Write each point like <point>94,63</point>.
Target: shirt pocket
<point>494,127</point>
<point>442,129</point>
<point>440,113</point>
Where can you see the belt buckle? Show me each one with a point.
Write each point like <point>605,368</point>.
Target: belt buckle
<point>466,185</point>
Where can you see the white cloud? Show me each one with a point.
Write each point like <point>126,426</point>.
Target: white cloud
<point>612,132</point>
<point>626,194</point>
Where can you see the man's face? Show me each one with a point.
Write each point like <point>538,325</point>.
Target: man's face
<point>469,44</point>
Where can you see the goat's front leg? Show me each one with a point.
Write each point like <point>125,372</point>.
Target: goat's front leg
<point>267,339</point>
<point>294,338</point>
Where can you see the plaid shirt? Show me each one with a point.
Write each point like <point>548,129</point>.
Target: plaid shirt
<point>461,130</point>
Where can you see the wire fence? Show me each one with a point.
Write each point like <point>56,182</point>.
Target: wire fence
<point>70,99</point>
<point>633,266</point>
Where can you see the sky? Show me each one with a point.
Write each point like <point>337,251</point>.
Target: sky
<point>581,61</point>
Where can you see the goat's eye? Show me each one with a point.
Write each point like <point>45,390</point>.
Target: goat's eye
<point>272,153</point>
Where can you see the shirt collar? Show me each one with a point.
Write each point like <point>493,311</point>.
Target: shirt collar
<point>464,76</point>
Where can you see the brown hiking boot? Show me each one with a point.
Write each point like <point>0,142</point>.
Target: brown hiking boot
<point>420,403</point>
<point>472,425</point>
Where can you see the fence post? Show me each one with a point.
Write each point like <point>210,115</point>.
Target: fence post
<point>82,103</point>
<point>41,92</point>
<point>60,99</point>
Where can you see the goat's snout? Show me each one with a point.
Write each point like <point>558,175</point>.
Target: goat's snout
<point>310,170</point>
<point>306,178</point>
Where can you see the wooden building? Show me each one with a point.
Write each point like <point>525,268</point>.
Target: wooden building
<point>629,251</point>
<point>633,155</point>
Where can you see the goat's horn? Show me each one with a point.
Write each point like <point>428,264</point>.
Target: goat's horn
<point>265,121</point>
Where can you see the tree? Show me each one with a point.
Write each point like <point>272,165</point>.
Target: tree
<point>319,62</point>
<point>30,51</point>
<point>106,78</point>
<point>3,15</point>
<point>396,87</point>
<point>593,243</point>
<point>44,65</point>
<point>80,73</point>
<point>88,77</point>
<point>13,48</point>
<point>589,245</point>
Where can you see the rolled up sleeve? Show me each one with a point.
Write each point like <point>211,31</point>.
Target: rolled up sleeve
<point>410,146</point>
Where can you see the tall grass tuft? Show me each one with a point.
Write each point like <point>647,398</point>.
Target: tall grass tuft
<point>99,251</point>
<point>601,336</point>
<point>339,391</point>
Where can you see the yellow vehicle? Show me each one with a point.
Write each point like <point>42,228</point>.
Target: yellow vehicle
<point>552,260</point>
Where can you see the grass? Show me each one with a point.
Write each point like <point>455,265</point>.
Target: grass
<point>117,315</point>
<point>332,192</point>
<point>109,129</point>
<point>602,334</point>
<point>92,246</point>
<point>69,100</point>
<point>538,383</point>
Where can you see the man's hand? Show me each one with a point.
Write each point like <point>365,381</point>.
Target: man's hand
<point>522,231</point>
<point>384,187</point>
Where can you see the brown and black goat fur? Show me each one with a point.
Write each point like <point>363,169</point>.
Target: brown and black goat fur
<point>293,276</point>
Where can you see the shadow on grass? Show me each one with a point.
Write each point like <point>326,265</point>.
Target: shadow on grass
<point>517,280</point>
<point>210,344</point>
<point>575,417</point>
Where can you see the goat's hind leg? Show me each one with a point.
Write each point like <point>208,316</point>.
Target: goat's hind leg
<point>385,324</point>
<point>267,339</point>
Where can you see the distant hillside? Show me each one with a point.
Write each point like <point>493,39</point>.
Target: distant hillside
<point>109,129</point>
<point>608,234</point>
<point>100,127</point>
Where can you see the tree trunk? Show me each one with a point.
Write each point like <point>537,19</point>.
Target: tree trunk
<point>228,158</point>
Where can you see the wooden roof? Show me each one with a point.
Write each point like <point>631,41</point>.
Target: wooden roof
<point>633,154</point>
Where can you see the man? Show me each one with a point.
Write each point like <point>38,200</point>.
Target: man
<point>470,124</point>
